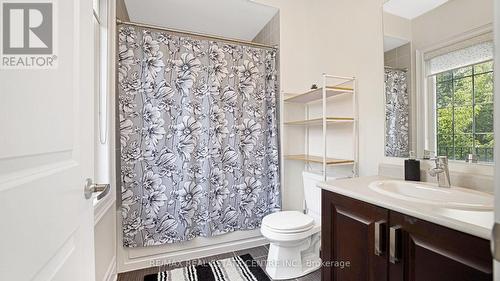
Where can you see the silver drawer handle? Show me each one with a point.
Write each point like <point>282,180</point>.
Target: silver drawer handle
<point>394,244</point>
<point>379,237</point>
<point>91,188</point>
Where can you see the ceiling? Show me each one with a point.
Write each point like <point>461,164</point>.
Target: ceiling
<point>411,9</point>
<point>238,19</point>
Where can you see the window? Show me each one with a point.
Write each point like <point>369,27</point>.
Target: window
<point>464,111</point>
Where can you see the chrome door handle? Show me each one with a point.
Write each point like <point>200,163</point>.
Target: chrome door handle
<point>379,237</point>
<point>91,188</point>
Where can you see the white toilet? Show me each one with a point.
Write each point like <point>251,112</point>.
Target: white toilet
<point>295,238</point>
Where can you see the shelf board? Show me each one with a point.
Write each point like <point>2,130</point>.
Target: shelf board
<point>319,121</point>
<point>317,94</point>
<point>318,159</point>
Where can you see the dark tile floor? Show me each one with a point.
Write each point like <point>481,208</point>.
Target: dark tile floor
<point>258,253</point>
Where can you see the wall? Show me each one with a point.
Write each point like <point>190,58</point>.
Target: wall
<point>341,37</point>
<point>397,27</point>
<point>461,16</point>
<point>121,10</point>
<point>399,57</point>
<point>270,33</point>
<point>105,246</point>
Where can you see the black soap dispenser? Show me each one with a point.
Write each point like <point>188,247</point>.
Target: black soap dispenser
<point>412,168</point>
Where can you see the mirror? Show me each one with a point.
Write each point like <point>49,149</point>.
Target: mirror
<point>439,79</point>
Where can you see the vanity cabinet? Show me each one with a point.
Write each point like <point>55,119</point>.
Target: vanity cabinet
<point>381,244</point>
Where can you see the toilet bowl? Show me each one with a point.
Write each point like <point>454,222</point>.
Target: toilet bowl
<point>294,244</point>
<point>295,237</point>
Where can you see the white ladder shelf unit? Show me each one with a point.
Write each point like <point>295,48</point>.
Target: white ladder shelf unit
<point>333,86</point>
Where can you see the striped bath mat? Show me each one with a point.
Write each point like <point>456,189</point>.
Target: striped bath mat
<point>237,268</point>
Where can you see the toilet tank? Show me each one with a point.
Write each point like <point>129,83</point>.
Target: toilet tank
<point>312,194</point>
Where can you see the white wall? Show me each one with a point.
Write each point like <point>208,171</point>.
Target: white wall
<point>461,16</point>
<point>270,33</point>
<point>341,37</point>
<point>121,10</point>
<point>105,245</point>
<point>397,27</point>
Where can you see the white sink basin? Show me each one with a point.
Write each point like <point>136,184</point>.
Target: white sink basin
<point>430,194</point>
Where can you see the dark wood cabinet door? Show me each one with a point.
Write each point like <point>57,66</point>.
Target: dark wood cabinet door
<point>429,252</point>
<point>348,234</point>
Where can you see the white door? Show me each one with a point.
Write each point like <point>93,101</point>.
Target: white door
<point>46,150</point>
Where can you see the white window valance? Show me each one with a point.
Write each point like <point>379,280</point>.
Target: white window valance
<point>466,52</point>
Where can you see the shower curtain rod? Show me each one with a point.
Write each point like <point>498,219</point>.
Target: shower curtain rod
<point>213,37</point>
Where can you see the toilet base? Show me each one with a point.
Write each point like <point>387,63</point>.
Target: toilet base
<point>293,259</point>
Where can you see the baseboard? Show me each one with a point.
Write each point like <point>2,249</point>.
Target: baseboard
<point>111,274</point>
<point>190,254</point>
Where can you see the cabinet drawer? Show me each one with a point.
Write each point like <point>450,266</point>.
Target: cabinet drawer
<point>430,252</point>
<point>353,232</point>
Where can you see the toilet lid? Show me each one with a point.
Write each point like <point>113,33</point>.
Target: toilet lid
<point>288,220</point>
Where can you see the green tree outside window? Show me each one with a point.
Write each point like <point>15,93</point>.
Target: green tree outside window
<point>464,112</point>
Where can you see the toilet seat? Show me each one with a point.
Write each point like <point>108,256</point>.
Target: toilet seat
<point>288,222</point>
<point>288,226</point>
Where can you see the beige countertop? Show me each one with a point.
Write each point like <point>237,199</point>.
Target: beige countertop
<point>477,223</point>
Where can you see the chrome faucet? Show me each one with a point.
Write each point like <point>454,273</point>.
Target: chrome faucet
<point>441,171</point>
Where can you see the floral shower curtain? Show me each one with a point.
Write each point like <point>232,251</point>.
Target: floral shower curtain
<point>199,136</point>
<point>396,113</point>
